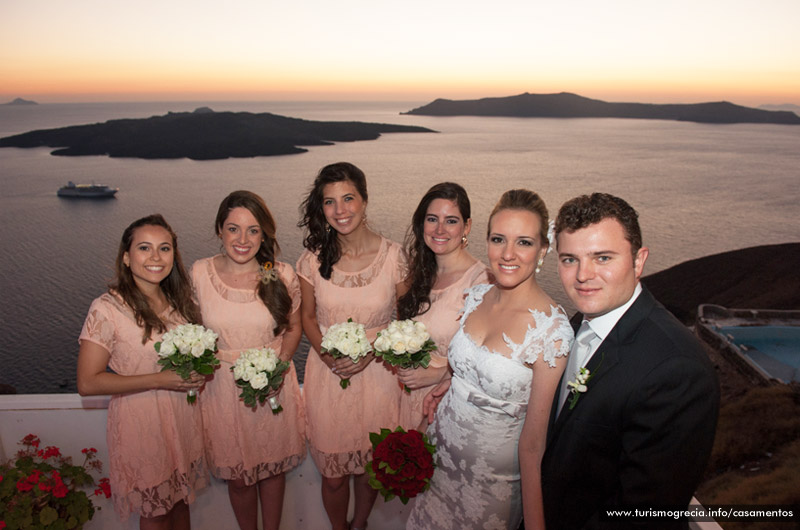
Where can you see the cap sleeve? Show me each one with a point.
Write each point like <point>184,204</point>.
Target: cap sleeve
<point>99,326</point>
<point>473,299</point>
<point>306,265</point>
<point>551,337</point>
<point>398,256</point>
<point>289,279</point>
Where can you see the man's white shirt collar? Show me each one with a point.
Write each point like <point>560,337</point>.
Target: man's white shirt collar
<point>603,324</point>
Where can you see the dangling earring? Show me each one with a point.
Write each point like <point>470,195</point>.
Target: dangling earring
<point>329,228</point>
<point>464,241</point>
<point>539,265</point>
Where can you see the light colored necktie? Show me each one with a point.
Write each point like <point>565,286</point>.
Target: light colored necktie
<point>581,349</point>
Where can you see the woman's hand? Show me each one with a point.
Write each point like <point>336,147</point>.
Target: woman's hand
<point>170,380</point>
<point>431,401</point>
<point>275,392</point>
<point>415,378</point>
<point>345,368</point>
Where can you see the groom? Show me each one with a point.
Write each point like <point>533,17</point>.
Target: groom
<point>638,433</point>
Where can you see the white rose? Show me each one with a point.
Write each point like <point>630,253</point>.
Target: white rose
<point>259,381</point>
<point>270,364</point>
<point>415,344</point>
<point>260,362</point>
<point>381,343</point>
<point>198,349</point>
<point>249,372</point>
<point>167,348</point>
<point>238,370</point>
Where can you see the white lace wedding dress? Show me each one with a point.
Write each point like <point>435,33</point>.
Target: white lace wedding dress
<point>476,483</point>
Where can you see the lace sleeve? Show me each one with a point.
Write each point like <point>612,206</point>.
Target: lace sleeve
<point>473,299</point>
<point>99,326</point>
<point>306,265</point>
<point>551,337</point>
<point>401,268</point>
<point>289,279</point>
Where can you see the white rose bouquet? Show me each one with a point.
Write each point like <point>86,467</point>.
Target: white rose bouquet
<point>346,339</point>
<point>405,343</point>
<point>258,372</point>
<point>188,348</point>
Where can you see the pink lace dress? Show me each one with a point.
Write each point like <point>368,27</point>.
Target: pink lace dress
<point>339,420</point>
<point>242,443</point>
<point>442,321</point>
<point>155,438</point>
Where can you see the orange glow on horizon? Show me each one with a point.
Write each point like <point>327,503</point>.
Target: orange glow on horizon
<point>682,51</point>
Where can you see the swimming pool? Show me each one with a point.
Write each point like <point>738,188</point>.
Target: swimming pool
<point>776,349</point>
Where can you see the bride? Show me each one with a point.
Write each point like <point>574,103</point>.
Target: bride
<point>506,360</point>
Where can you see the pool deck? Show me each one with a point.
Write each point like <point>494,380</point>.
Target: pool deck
<point>755,364</point>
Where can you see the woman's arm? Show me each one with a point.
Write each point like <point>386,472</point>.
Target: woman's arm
<point>415,378</point>
<point>308,314</point>
<point>93,379</point>
<point>292,335</point>
<point>431,401</point>
<point>533,438</point>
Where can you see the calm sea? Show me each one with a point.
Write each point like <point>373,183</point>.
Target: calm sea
<point>700,189</point>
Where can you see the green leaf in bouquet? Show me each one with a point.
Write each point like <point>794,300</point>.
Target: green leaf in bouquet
<point>205,369</point>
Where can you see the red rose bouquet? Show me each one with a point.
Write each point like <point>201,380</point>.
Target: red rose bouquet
<point>402,463</point>
<point>41,488</point>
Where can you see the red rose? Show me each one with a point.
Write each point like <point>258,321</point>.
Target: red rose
<point>396,460</point>
<point>2,525</point>
<point>43,486</point>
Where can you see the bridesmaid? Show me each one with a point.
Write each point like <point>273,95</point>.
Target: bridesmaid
<point>347,271</point>
<point>250,308</point>
<point>441,270</point>
<point>150,293</point>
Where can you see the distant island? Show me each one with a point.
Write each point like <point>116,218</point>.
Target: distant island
<point>791,107</point>
<point>20,101</point>
<point>566,105</point>
<point>201,135</point>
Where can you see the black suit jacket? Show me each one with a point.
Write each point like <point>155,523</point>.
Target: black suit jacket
<point>642,433</point>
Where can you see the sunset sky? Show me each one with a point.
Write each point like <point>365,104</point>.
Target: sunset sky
<point>744,51</point>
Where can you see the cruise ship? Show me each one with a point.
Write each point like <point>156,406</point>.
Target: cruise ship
<point>87,191</point>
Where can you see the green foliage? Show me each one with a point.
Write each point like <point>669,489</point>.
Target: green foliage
<point>253,397</point>
<point>40,489</point>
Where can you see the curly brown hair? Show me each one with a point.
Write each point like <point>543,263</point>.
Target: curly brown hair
<point>318,237</point>
<point>586,210</point>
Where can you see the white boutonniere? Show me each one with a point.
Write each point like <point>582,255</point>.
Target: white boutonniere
<point>580,384</point>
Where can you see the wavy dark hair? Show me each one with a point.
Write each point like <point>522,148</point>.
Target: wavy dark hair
<point>319,237</point>
<point>421,259</point>
<point>586,210</point>
<point>522,199</point>
<point>176,286</point>
<point>274,294</point>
